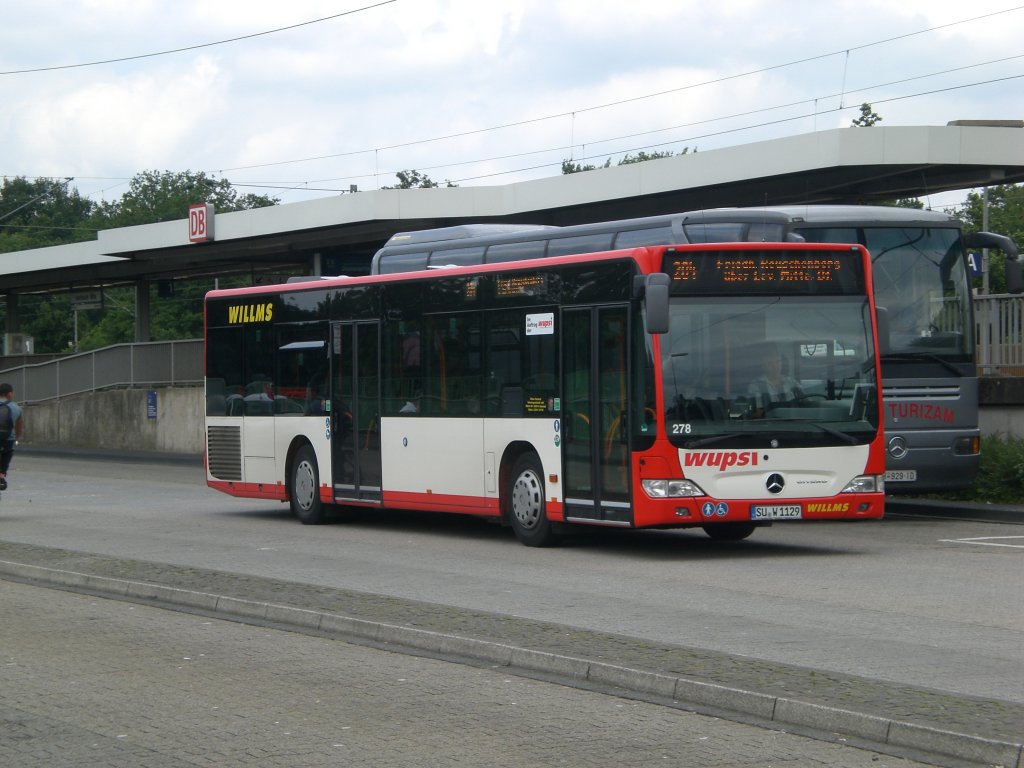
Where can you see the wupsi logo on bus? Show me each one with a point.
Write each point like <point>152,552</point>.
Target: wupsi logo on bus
<point>721,459</point>
<point>540,324</point>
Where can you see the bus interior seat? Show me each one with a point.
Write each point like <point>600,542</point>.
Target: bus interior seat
<point>235,405</point>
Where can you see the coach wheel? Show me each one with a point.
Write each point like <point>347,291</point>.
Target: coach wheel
<point>304,489</point>
<point>526,503</point>
<point>729,531</point>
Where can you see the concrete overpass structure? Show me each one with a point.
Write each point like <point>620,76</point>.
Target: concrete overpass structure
<point>338,235</point>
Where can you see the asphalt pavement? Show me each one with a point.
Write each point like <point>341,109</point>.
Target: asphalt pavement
<point>900,719</point>
<point>113,684</point>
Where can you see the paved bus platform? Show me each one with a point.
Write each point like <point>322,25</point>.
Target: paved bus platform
<point>902,719</point>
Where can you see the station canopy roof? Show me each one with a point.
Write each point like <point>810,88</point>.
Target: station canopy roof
<point>845,165</point>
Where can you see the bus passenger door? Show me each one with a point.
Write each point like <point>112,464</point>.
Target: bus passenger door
<point>355,412</point>
<point>595,412</point>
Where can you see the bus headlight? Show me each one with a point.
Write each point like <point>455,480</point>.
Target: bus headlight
<point>671,489</point>
<point>865,484</point>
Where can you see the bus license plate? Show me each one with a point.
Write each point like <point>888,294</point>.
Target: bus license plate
<point>778,512</point>
<point>900,475</point>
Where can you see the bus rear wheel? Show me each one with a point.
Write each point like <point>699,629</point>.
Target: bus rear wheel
<point>729,531</point>
<point>304,488</point>
<point>526,503</point>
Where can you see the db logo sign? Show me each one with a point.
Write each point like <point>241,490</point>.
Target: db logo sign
<point>200,223</point>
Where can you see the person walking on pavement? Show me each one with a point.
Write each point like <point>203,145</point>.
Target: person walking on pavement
<point>11,425</point>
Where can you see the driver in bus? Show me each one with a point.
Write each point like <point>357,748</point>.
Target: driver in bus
<point>773,384</point>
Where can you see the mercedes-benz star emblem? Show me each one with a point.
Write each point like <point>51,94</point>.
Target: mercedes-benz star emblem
<point>898,447</point>
<point>775,483</point>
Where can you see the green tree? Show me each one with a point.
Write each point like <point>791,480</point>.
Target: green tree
<point>868,117</point>
<point>153,197</point>
<point>642,157</point>
<point>904,202</point>
<point>114,324</point>
<point>416,180</point>
<point>58,216</point>
<point>49,320</point>
<point>1005,217</point>
<point>42,212</point>
<point>568,166</point>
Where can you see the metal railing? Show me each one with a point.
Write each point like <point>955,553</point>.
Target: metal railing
<point>999,334</point>
<point>157,363</point>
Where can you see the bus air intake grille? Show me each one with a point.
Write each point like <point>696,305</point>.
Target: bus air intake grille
<point>921,392</point>
<point>224,452</point>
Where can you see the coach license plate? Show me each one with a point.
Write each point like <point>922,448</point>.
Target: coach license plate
<point>776,512</point>
<point>900,475</point>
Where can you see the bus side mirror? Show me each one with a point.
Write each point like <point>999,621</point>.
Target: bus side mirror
<point>1014,279</point>
<point>882,326</point>
<point>656,294</point>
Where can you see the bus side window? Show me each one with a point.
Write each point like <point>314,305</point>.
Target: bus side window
<point>224,366</point>
<point>403,367</point>
<point>521,370</point>
<point>453,365</point>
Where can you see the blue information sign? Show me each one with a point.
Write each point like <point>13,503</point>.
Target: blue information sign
<point>974,264</point>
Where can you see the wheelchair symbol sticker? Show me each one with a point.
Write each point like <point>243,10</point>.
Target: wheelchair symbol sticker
<point>710,509</point>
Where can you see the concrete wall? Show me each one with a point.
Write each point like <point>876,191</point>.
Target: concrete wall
<point>1002,405</point>
<point>118,419</point>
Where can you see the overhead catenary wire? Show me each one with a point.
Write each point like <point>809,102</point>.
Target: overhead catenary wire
<point>763,124</point>
<point>620,102</point>
<point>196,47</point>
<point>310,184</point>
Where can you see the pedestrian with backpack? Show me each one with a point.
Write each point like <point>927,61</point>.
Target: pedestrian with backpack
<point>11,426</point>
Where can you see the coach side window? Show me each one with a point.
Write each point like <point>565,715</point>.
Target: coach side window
<point>636,238</point>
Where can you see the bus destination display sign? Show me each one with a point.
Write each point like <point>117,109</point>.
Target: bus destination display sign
<point>776,271</point>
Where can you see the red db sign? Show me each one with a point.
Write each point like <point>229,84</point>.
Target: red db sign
<point>200,223</point>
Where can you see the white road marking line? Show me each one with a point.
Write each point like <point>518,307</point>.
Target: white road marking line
<point>987,541</point>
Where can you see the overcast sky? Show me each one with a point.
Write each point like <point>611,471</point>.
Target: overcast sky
<point>475,91</point>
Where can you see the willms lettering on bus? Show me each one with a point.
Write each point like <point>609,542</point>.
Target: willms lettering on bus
<point>262,312</point>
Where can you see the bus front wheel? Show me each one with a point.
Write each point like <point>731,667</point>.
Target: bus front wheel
<point>304,489</point>
<point>527,508</point>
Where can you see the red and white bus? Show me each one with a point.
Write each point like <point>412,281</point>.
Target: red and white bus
<point>721,386</point>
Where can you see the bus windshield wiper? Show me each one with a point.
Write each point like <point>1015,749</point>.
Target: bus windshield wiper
<point>846,437</point>
<point>718,438</point>
<point>913,356</point>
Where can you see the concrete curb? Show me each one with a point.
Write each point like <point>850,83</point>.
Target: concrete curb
<point>954,510</point>
<point>679,691</point>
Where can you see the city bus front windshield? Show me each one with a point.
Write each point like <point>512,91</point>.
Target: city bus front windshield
<point>921,281</point>
<point>765,371</point>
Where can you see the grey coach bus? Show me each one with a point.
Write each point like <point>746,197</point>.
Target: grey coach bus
<point>921,279</point>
